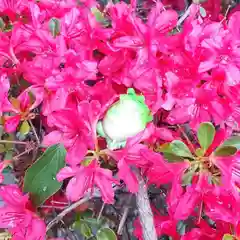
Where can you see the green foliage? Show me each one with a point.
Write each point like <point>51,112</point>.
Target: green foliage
<point>106,234</point>
<point>232,141</point>
<point>40,179</point>
<point>225,151</point>
<point>179,148</point>
<point>206,133</point>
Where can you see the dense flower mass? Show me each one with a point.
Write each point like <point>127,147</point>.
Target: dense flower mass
<point>71,64</point>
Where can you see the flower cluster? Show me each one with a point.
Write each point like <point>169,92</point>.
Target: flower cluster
<point>117,89</point>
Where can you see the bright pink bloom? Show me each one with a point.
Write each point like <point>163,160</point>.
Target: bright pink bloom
<point>202,106</point>
<point>75,129</point>
<point>4,86</point>
<point>21,222</point>
<point>21,108</point>
<point>85,178</point>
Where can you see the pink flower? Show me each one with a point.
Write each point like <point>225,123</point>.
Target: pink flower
<point>4,86</point>
<point>21,222</point>
<point>21,108</point>
<point>85,178</point>
<point>75,129</point>
<point>202,106</point>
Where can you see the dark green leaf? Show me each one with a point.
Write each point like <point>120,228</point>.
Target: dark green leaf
<point>40,179</point>
<point>225,151</point>
<point>206,133</point>
<point>106,234</point>
<point>83,228</point>
<point>54,26</point>
<point>232,141</point>
<point>172,158</point>
<point>180,149</point>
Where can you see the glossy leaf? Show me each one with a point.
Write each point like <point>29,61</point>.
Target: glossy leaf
<point>25,128</point>
<point>172,157</point>
<point>106,234</point>
<point>40,179</point>
<point>232,141</point>
<point>206,133</point>
<point>225,151</point>
<point>180,149</point>
<point>83,228</point>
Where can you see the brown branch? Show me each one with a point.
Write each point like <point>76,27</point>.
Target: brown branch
<point>145,211</point>
<point>66,211</point>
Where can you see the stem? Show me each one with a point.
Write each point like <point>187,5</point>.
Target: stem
<point>14,142</point>
<point>66,211</point>
<point>124,216</point>
<point>100,213</point>
<point>35,133</point>
<point>26,151</point>
<point>145,211</point>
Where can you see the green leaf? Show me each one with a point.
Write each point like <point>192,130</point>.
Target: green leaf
<point>106,234</point>
<point>228,237</point>
<point>172,158</point>
<point>83,228</point>
<point>54,26</point>
<point>180,149</point>
<point>25,128</point>
<point>2,24</point>
<point>232,141</point>
<point>199,152</point>
<point>187,177</point>
<point>206,133</point>
<point>2,148</point>
<point>225,151</point>
<point>40,179</point>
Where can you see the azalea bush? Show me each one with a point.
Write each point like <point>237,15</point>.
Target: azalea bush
<point>129,106</point>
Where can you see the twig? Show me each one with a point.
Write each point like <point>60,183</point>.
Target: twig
<point>13,142</point>
<point>66,211</point>
<point>100,213</point>
<point>124,216</point>
<point>35,133</point>
<point>26,151</point>
<point>145,211</point>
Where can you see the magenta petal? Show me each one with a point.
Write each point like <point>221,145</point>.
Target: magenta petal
<point>66,172</point>
<point>36,230</point>
<point>52,138</point>
<point>12,196</point>
<point>127,176</point>
<point>11,123</point>
<point>76,153</point>
<point>78,185</point>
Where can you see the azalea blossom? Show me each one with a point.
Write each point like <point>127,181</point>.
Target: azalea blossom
<point>21,222</point>
<point>84,178</point>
